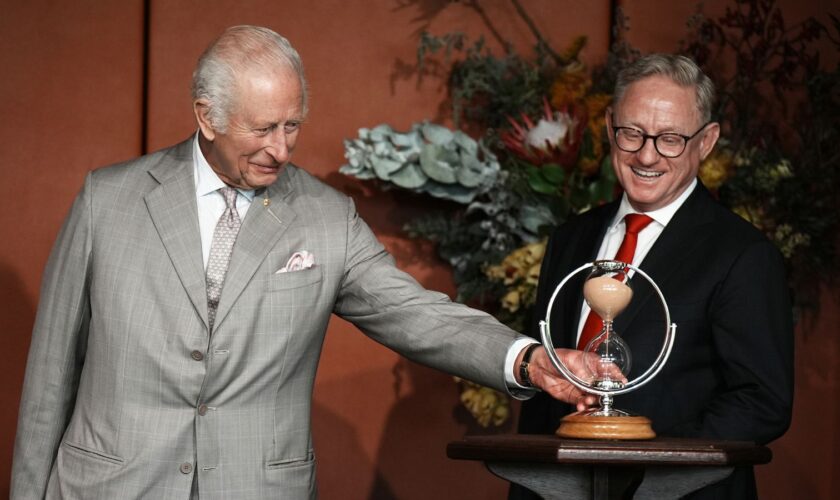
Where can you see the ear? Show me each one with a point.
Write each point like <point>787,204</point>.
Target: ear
<point>201,108</point>
<point>709,139</point>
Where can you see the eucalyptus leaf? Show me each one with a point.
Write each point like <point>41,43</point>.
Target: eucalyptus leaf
<point>471,174</point>
<point>408,140</point>
<point>534,217</point>
<point>436,134</point>
<point>452,192</point>
<point>434,167</point>
<point>466,143</point>
<point>380,133</point>
<point>409,177</point>
<point>429,158</point>
<point>385,167</point>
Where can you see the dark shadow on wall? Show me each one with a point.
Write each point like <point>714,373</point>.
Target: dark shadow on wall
<point>411,461</point>
<point>18,315</point>
<point>339,458</point>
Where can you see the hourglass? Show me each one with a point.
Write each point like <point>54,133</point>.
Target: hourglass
<point>607,357</point>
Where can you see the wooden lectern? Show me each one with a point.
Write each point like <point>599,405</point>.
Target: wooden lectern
<point>661,468</point>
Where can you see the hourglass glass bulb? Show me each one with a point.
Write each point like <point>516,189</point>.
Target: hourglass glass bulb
<point>607,296</point>
<point>607,359</point>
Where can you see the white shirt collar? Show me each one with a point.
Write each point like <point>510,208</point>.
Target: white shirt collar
<point>206,180</point>
<point>662,215</point>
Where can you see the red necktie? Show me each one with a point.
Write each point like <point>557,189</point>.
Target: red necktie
<point>634,223</point>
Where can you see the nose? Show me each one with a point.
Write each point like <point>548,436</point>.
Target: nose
<point>278,147</point>
<point>648,155</point>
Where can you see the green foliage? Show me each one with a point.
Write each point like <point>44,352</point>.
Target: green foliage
<point>484,88</point>
<point>780,111</point>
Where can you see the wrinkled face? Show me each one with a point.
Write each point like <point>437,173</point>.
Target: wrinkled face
<point>261,132</point>
<point>656,105</point>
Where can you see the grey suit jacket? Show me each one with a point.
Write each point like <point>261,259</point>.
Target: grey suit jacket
<point>126,394</point>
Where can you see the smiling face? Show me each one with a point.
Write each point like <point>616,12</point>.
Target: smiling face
<point>261,132</point>
<point>656,105</point>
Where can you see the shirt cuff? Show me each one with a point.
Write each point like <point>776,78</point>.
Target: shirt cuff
<point>515,389</point>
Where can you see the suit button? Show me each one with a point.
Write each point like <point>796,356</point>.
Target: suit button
<point>196,355</point>
<point>202,410</point>
<point>186,468</point>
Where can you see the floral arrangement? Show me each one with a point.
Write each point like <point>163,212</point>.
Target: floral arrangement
<point>780,113</point>
<point>542,153</point>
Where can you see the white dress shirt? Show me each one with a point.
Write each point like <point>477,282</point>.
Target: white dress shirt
<point>647,236</point>
<point>210,202</point>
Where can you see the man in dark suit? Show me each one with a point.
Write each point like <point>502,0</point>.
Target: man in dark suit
<point>730,375</point>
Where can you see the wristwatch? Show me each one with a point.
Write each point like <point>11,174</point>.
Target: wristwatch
<point>523,366</point>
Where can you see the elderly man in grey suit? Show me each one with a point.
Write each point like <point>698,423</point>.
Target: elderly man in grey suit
<point>186,299</point>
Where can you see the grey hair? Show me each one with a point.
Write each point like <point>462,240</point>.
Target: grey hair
<point>680,69</point>
<point>237,49</point>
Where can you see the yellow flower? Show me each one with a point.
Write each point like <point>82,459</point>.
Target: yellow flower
<point>536,250</point>
<point>596,104</point>
<point>787,240</point>
<point>511,301</point>
<point>533,275</point>
<point>519,272</point>
<point>496,273</point>
<point>714,170</point>
<point>569,88</point>
<point>753,214</point>
<point>486,405</point>
<point>781,170</point>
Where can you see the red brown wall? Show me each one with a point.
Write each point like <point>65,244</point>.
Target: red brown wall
<point>72,90</point>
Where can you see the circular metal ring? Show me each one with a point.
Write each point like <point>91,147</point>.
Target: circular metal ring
<point>631,385</point>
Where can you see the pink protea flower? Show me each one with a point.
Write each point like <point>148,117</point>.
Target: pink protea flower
<point>556,137</point>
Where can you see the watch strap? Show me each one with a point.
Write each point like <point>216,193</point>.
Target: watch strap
<point>523,366</point>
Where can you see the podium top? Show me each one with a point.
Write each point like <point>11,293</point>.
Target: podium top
<point>658,451</point>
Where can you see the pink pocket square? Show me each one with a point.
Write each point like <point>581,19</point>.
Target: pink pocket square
<point>298,261</point>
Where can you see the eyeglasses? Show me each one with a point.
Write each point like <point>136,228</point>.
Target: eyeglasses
<point>669,145</point>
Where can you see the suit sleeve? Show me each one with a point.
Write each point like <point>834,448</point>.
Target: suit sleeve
<point>752,332</point>
<point>396,311</point>
<point>56,353</point>
<point>536,415</point>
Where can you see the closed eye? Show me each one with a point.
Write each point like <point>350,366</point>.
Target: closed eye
<point>289,127</point>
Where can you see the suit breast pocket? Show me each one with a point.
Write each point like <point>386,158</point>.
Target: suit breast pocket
<point>295,279</point>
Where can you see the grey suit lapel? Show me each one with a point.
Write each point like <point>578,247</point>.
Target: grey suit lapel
<point>268,217</point>
<point>172,208</point>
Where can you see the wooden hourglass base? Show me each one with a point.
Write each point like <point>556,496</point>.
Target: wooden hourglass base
<point>627,427</point>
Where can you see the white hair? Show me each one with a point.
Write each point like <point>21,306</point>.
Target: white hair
<point>238,49</point>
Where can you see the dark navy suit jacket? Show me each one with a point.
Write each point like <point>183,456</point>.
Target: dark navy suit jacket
<point>730,374</point>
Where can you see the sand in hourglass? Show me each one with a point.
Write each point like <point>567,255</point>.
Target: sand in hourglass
<point>607,296</point>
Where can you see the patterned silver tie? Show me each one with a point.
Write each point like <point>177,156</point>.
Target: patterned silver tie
<point>223,238</point>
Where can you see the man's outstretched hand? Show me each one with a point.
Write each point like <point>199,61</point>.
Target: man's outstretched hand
<point>544,375</point>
